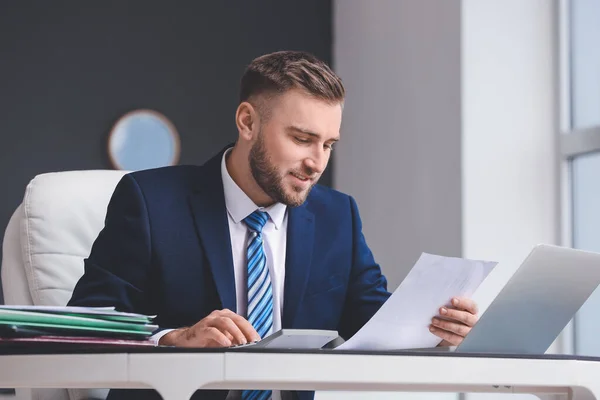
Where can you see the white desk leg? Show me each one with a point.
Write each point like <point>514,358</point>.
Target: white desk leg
<point>179,375</point>
<point>23,394</point>
<point>174,392</point>
<point>552,396</point>
<point>590,392</point>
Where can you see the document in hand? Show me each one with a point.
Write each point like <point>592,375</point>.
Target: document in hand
<point>403,321</point>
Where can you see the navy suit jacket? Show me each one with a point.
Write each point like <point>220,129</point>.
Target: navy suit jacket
<point>165,250</point>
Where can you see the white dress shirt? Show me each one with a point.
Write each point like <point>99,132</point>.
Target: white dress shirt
<point>239,206</point>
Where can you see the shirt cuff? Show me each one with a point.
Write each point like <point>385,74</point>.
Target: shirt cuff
<point>156,337</point>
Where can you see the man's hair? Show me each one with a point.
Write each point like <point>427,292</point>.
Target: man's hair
<point>273,74</point>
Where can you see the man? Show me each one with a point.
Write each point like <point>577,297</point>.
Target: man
<point>247,244</point>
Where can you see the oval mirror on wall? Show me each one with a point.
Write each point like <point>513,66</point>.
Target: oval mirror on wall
<point>143,139</point>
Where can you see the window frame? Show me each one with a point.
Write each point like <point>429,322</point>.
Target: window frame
<point>572,143</point>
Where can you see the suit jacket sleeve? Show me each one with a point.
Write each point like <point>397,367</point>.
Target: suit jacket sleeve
<point>116,271</point>
<point>367,287</point>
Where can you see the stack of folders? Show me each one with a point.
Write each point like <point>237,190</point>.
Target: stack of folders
<point>74,325</point>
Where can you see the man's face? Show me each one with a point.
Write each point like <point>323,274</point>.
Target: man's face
<point>293,147</point>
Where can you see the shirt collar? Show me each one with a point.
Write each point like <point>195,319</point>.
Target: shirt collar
<point>239,205</point>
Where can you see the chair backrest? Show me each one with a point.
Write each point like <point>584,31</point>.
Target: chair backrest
<point>44,245</point>
<point>51,233</point>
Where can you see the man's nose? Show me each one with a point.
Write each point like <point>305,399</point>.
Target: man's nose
<point>317,163</point>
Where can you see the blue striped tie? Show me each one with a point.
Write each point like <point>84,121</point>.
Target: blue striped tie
<point>260,291</point>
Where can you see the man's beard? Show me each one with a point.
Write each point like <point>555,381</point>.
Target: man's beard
<point>268,178</point>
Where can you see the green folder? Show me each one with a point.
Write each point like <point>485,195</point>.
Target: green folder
<point>121,318</point>
<point>67,330</point>
<point>62,320</point>
<point>107,313</point>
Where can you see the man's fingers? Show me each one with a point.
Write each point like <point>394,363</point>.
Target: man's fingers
<point>458,315</point>
<point>222,328</point>
<point>449,337</point>
<point>463,303</point>
<point>452,327</point>
<point>205,337</point>
<point>227,326</point>
<point>244,326</point>
<point>216,338</point>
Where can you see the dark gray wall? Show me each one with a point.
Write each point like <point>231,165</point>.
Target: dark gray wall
<point>68,70</point>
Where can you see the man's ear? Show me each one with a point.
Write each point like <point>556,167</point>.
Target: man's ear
<point>246,120</point>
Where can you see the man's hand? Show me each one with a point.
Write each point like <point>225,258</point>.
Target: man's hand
<point>454,323</point>
<point>222,328</point>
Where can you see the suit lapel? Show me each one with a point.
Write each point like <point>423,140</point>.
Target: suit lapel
<point>299,247</point>
<point>210,215</point>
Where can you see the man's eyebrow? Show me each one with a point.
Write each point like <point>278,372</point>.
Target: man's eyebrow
<point>310,133</point>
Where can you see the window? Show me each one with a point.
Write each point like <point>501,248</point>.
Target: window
<point>580,147</point>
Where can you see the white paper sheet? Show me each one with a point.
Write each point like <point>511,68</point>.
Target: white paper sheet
<point>403,321</point>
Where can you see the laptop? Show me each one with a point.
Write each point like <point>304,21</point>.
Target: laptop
<point>536,304</point>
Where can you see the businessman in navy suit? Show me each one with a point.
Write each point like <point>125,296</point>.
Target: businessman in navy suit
<point>248,243</point>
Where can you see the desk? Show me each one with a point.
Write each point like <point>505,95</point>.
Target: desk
<point>177,373</point>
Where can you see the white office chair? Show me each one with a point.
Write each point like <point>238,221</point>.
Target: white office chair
<point>45,242</point>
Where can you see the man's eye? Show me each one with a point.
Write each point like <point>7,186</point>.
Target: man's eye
<point>301,140</point>
<point>329,146</point>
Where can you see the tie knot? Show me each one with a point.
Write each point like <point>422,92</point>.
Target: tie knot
<point>256,221</point>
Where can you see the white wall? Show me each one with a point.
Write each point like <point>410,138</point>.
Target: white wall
<point>509,155</point>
